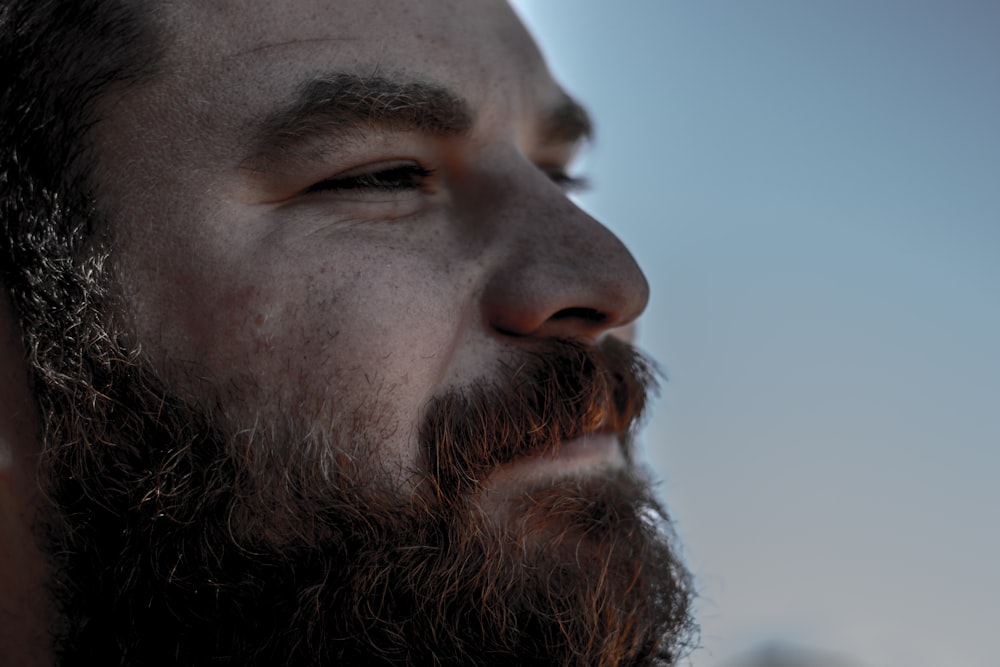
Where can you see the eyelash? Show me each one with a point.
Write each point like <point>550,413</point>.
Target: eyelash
<point>569,184</point>
<point>399,177</point>
<point>415,177</point>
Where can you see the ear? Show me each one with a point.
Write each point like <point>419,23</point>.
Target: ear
<point>23,630</point>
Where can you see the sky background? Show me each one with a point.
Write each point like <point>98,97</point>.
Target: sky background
<point>813,189</point>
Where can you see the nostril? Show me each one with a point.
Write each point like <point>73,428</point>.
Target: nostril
<point>586,314</point>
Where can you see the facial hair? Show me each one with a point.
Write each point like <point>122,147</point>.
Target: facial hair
<point>179,536</point>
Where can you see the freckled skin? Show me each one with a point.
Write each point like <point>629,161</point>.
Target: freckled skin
<point>339,302</point>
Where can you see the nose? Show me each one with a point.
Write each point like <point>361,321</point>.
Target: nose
<point>560,273</point>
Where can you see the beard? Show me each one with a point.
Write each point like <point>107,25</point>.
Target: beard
<point>179,534</point>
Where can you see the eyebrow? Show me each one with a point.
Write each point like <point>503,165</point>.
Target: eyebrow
<point>337,104</point>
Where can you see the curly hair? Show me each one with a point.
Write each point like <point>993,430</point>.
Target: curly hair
<point>57,58</point>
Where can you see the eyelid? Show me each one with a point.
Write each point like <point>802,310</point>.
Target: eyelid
<point>387,176</point>
<point>572,184</point>
<point>409,175</point>
<point>569,183</point>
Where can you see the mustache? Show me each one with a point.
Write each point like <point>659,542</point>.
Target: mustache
<point>556,393</point>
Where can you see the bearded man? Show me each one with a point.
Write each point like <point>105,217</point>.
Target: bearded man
<point>308,358</point>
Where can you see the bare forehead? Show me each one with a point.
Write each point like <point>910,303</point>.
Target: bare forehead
<point>424,35</point>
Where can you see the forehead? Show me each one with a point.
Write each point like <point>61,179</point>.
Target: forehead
<point>245,52</point>
<point>230,27</point>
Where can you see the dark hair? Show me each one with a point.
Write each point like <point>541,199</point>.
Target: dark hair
<point>57,58</point>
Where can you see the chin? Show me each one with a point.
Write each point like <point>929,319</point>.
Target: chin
<point>190,541</point>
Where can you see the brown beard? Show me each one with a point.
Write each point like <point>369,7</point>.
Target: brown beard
<point>178,541</point>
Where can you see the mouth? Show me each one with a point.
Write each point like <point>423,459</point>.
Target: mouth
<point>583,456</point>
<point>561,415</point>
<point>594,449</point>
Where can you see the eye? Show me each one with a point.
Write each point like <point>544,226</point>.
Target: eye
<point>397,176</point>
<point>569,183</point>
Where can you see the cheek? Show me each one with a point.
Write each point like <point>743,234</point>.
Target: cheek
<point>388,321</point>
<point>314,329</point>
<point>364,345</point>
<point>373,322</point>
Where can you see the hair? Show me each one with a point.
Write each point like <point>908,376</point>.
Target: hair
<point>57,59</point>
<point>123,453</point>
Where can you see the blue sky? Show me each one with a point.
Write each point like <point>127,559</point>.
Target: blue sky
<point>813,189</point>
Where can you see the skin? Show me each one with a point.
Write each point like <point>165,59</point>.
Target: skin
<point>355,306</point>
<point>22,622</point>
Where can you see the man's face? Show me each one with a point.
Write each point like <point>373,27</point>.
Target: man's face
<point>343,209</point>
<point>354,395</point>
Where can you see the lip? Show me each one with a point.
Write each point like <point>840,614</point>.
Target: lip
<point>591,449</point>
<point>581,456</point>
